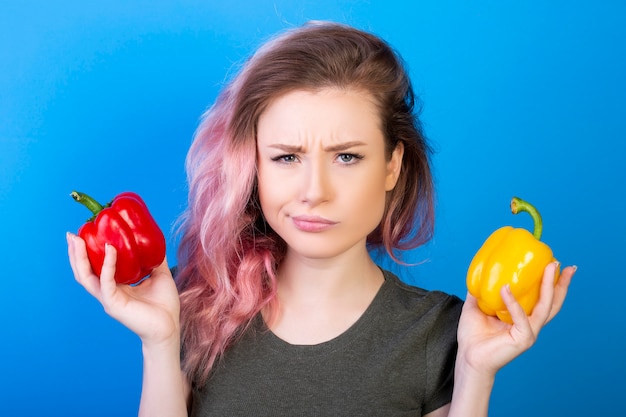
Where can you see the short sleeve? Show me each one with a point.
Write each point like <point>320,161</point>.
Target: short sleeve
<point>441,348</point>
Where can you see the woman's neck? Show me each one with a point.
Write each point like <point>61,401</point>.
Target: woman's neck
<point>320,299</point>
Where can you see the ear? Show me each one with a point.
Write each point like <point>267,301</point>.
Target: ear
<point>394,165</point>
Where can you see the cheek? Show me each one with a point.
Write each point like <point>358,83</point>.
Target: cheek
<point>263,195</point>
<point>370,197</point>
<point>269,194</point>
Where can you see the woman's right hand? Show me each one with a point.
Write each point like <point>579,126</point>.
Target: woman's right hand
<point>150,309</point>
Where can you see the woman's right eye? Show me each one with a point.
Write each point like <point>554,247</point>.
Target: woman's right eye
<point>285,159</point>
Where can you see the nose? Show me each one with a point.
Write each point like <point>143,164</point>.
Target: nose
<point>316,184</point>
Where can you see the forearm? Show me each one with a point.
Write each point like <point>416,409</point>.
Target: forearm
<point>164,391</point>
<point>472,391</point>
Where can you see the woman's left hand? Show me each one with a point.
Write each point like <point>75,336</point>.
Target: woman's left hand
<point>486,344</point>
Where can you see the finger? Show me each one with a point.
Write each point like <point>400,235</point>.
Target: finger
<point>108,285</point>
<point>541,313</point>
<point>70,252</point>
<point>521,331</point>
<point>81,267</point>
<point>470,300</point>
<point>163,267</point>
<point>560,290</point>
<point>81,260</point>
<point>470,306</point>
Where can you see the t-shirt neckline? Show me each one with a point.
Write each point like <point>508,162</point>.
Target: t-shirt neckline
<point>340,341</point>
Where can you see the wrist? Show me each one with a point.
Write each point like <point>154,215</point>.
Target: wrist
<point>474,370</point>
<point>162,332</point>
<point>163,388</point>
<point>472,390</point>
<point>160,347</point>
<point>464,372</point>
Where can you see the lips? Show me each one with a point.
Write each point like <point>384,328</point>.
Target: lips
<point>312,224</point>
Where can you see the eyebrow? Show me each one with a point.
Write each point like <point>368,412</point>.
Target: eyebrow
<point>334,148</point>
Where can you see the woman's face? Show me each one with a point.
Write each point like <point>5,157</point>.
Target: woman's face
<point>322,170</point>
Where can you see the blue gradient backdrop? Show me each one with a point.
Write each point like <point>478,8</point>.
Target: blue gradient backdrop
<point>522,98</point>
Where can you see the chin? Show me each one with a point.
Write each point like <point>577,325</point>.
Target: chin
<point>324,250</point>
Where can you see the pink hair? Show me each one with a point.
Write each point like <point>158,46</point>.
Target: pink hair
<point>226,269</point>
<point>228,255</point>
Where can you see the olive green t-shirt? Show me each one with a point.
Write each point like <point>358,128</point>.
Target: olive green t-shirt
<point>396,360</point>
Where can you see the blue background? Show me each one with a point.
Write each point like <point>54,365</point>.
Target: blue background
<point>523,98</point>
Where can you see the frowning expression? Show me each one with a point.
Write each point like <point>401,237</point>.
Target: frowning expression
<point>322,170</point>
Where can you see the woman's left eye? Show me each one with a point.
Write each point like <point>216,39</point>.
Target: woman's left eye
<point>349,158</point>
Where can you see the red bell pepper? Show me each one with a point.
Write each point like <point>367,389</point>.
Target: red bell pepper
<point>126,224</point>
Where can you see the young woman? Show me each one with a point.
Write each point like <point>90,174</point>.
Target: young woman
<point>311,156</point>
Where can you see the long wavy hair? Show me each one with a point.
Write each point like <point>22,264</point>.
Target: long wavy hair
<point>228,255</point>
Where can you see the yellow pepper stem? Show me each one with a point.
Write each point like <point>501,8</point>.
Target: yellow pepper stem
<point>518,205</point>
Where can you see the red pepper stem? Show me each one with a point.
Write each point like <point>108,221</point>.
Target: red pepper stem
<point>518,205</point>
<point>87,201</point>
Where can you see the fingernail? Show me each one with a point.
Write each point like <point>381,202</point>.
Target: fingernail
<point>575,267</point>
<point>108,248</point>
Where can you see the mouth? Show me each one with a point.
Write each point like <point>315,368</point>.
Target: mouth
<point>312,224</point>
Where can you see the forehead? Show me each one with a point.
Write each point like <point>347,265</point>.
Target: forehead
<point>328,115</point>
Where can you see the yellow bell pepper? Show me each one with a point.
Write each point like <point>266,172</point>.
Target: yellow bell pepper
<point>510,256</point>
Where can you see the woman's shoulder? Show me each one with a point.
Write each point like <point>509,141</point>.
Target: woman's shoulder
<point>412,298</point>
